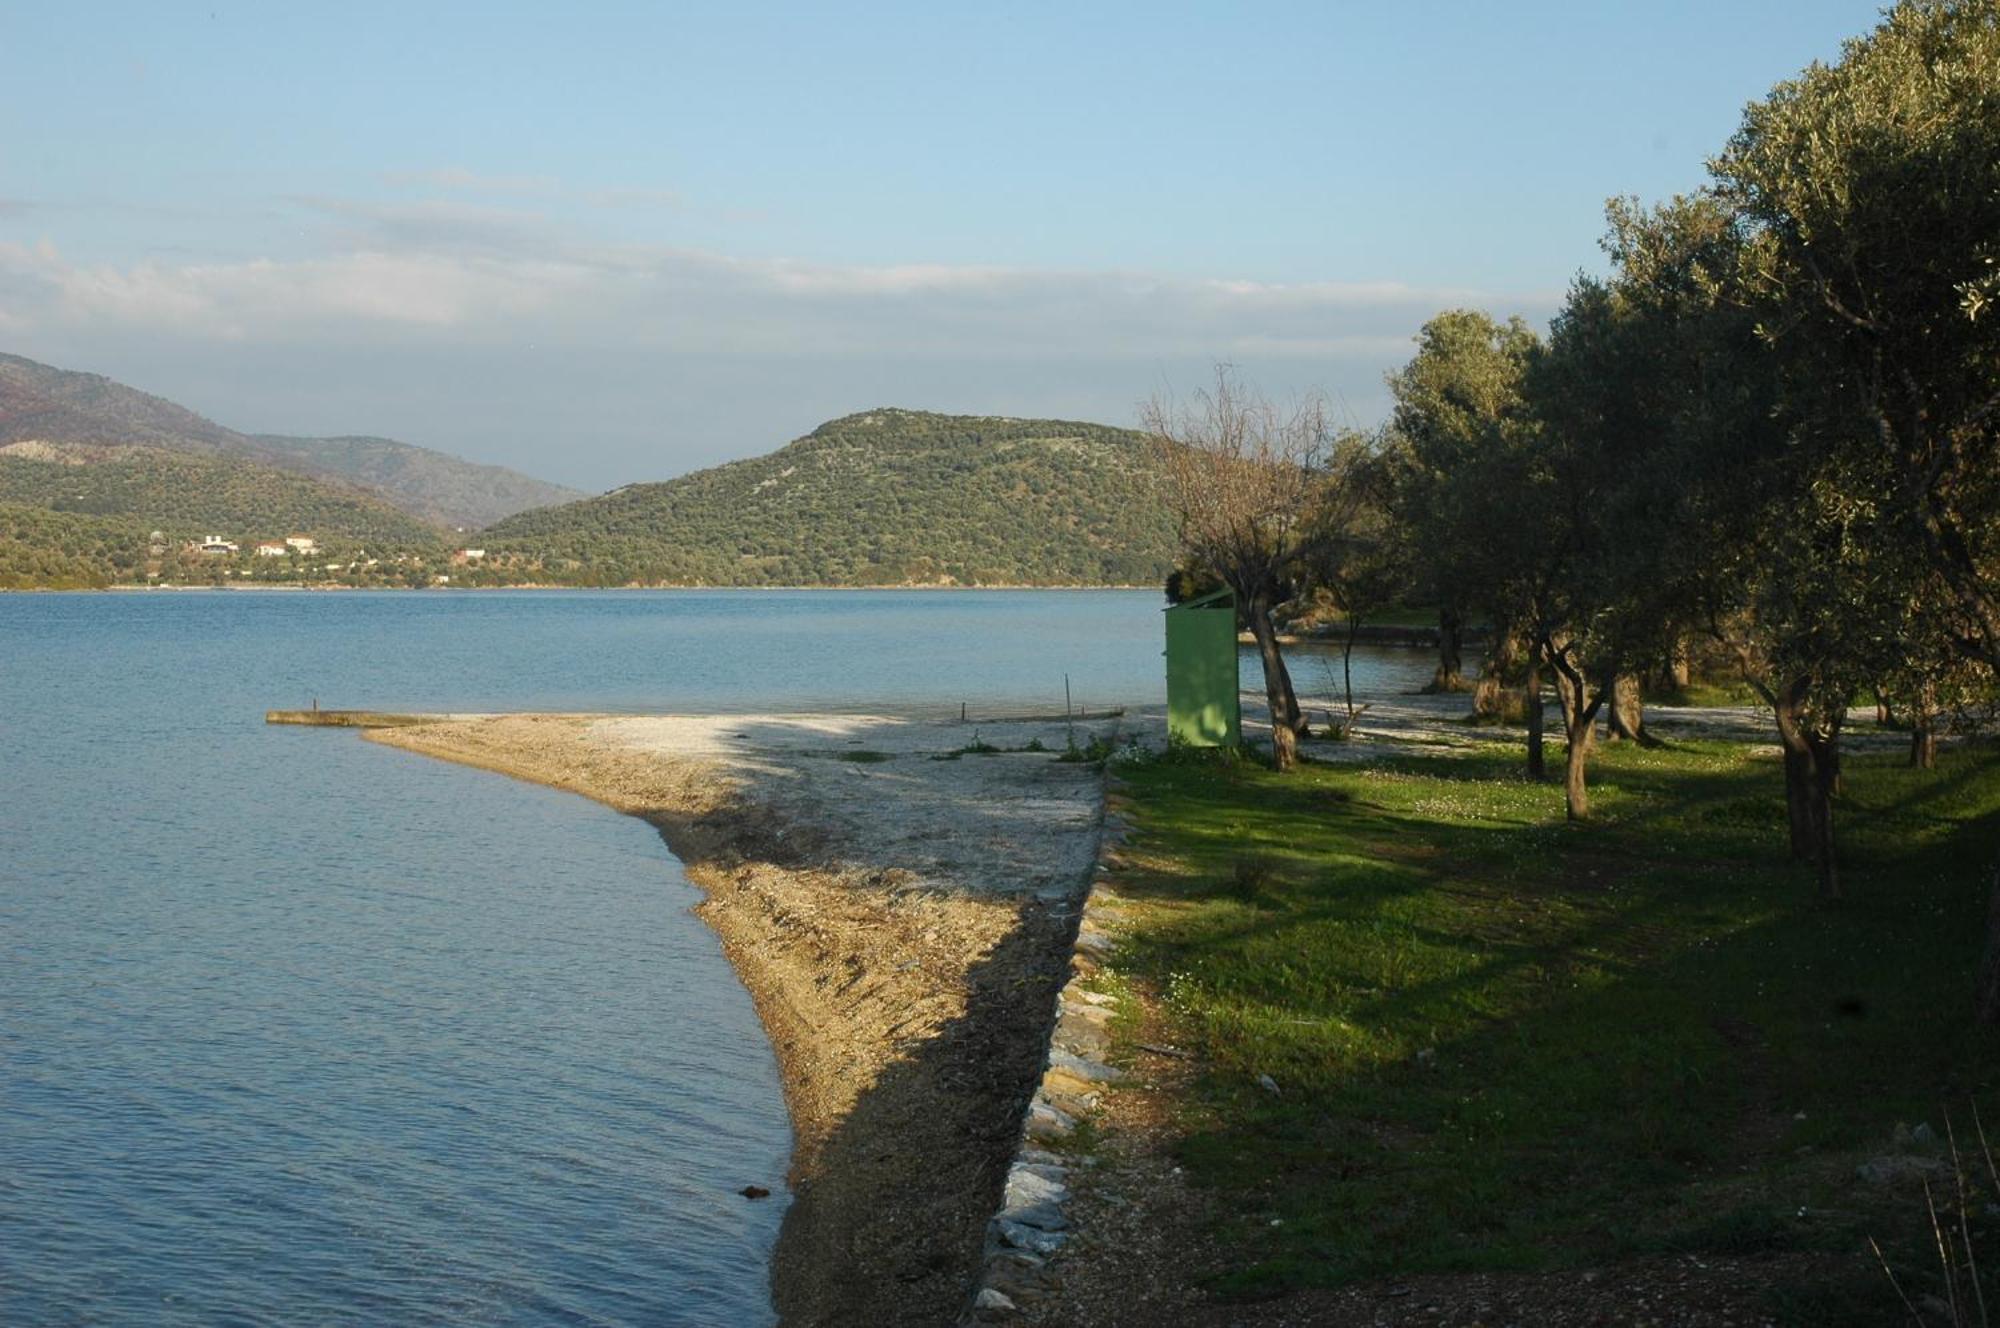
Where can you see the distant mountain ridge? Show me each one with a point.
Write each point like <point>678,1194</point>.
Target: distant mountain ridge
<point>100,484</point>
<point>43,404</point>
<point>438,487</point>
<point>884,497</point>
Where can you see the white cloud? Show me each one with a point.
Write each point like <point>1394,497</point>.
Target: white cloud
<point>478,330</point>
<point>683,300</point>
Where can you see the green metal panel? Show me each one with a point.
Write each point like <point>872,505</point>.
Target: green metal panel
<point>1202,702</point>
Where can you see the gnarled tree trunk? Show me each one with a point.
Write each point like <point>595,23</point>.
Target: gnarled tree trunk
<point>1450,675</point>
<point>1579,709</point>
<point>1277,684</point>
<point>1798,803</point>
<point>1295,718</point>
<point>1812,777</point>
<point>1532,697</point>
<point>1576,794</point>
<point>1572,694</point>
<point>1923,728</point>
<point>1625,717</point>
<point>1885,717</point>
<point>1489,694</point>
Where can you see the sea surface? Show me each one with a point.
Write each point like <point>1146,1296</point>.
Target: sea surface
<point>299,1029</point>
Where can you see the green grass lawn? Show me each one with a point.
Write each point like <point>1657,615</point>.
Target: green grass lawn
<point>1714,692</point>
<point>1503,1041</point>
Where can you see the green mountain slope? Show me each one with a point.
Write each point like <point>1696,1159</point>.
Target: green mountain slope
<point>186,495</point>
<point>889,497</point>
<point>40,403</point>
<point>45,550</point>
<point>432,485</point>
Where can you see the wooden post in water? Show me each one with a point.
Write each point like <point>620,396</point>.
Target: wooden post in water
<point>1068,718</point>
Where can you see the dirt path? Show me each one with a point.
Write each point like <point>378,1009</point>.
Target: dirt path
<point>902,918</point>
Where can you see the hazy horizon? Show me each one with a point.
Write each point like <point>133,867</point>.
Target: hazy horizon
<point>617,249</point>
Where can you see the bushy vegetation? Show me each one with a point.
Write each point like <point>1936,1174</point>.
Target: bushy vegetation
<point>889,497</point>
<point>186,496</point>
<point>45,550</point>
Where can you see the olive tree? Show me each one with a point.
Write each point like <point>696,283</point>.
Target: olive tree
<point>1869,194</point>
<point>1452,402</point>
<point>1243,478</point>
<point>1875,186</point>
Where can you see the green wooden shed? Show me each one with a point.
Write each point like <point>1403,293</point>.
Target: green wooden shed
<point>1203,709</point>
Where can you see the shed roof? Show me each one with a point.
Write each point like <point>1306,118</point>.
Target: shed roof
<point>1202,602</point>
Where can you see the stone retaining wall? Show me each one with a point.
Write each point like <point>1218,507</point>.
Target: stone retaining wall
<point>1031,1225</point>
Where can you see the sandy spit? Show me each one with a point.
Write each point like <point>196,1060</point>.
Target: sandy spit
<point>902,918</point>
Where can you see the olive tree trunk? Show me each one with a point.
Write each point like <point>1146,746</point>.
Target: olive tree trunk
<point>1450,675</point>
<point>1812,778</point>
<point>1295,717</point>
<point>1277,685</point>
<point>1923,728</point>
<point>1531,696</point>
<point>1489,694</point>
<point>1625,718</point>
<point>1680,669</point>
<point>1579,708</point>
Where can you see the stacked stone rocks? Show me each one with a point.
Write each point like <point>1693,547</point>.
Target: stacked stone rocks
<point>1031,1227</point>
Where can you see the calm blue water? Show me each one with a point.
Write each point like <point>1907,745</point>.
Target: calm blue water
<point>294,1028</point>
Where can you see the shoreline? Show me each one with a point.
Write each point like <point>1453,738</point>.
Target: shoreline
<point>903,955</point>
<point>539,587</point>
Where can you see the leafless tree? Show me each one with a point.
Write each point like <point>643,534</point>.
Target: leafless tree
<point>1244,479</point>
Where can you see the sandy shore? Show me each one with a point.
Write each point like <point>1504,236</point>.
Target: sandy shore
<point>902,916</point>
<point>902,913</point>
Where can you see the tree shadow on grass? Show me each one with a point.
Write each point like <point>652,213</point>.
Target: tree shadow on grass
<point>1638,1074</point>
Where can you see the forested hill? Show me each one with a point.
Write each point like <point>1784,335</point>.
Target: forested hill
<point>42,404</point>
<point>74,517</point>
<point>185,495</point>
<point>888,497</point>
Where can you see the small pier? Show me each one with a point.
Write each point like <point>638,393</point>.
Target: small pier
<point>342,719</point>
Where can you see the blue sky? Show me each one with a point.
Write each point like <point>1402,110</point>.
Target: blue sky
<point>606,243</point>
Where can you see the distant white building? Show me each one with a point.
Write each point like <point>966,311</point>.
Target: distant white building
<point>215,544</point>
<point>463,556</point>
<point>271,549</point>
<point>302,543</point>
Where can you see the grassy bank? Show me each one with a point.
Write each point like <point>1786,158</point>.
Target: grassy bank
<point>1500,1041</point>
